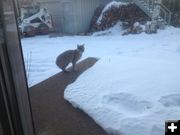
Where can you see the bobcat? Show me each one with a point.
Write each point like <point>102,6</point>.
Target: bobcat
<point>69,56</point>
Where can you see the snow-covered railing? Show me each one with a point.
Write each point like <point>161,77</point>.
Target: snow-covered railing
<point>154,9</point>
<point>146,5</point>
<point>165,13</point>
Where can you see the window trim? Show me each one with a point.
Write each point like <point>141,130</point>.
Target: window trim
<point>13,82</point>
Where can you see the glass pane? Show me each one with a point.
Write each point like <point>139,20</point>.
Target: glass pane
<point>128,72</point>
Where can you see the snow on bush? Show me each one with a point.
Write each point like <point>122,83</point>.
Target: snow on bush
<point>109,6</point>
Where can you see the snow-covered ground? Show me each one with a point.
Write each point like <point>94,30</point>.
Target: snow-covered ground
<point>132,89</point>
<point>129,95</point>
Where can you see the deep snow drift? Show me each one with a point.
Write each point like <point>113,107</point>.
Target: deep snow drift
<point>132,89</point>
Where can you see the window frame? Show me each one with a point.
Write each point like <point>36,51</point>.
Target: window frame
<point>16,114</point>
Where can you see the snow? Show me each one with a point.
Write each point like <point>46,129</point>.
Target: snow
<point>132,89</point>
<point>115,30</point>
<point>108,6</point>
<point>129,95</point>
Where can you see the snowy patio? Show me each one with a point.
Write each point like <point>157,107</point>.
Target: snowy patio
<point>135,80</point>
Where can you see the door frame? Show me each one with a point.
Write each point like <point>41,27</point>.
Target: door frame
<point>15,101</point>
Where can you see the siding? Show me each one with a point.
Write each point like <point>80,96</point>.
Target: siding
<point>56,10</point>
<point>72,16</point>
<point>86,11</point>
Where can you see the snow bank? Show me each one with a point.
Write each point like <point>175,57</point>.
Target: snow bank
<point>115,30</point>
<point>129,95</point>
<point>108,6</point>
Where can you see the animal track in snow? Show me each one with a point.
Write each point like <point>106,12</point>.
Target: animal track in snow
<point>127,102</point>
<point>170,100</point>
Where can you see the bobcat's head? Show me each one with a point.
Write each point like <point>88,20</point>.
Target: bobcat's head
<point>81,47</point>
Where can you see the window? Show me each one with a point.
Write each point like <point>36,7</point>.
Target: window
<point>36,20</point>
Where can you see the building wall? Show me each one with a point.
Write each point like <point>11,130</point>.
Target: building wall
<point>86,10</point>
<point>24,2</point>
<point>71,16</point>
